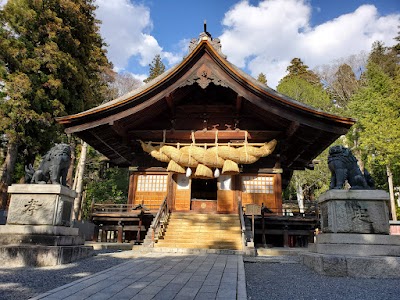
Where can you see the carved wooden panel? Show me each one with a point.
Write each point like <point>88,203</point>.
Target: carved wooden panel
<point>204,206</point>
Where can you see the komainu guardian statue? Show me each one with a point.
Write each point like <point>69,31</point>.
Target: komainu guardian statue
<point>53,167</point>
<point>343,166</point>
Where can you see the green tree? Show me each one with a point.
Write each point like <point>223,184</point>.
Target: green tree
<point>156,68</point>
<point>103,183</point>
<point>344,85</point>
<point>310,184</point>
<point>304,86</point>
<point>52,62</point>
<point>299,70</point>
<point>262,78</point>
<point>301,90</point>
<point>377,108</point>
<point>385,57</point>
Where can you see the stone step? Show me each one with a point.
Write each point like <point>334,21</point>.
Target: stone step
<point>193,222</point>
<point>174,228</point>
<point>280,252</point>
<point>209,235</point>
<point>202,231</point>
<point>196,251</point>
<point>203,216</point>
<point>201,238</point>
<point>190,222</point>
<point>232,245</point>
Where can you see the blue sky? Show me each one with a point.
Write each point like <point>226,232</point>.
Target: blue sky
<point>257,36</point>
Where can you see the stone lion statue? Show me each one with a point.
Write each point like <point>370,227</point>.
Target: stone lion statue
<point>343,166</point>
<point>53,167</point>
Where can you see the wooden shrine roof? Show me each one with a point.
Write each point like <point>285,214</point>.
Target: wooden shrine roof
<point>203,94</point>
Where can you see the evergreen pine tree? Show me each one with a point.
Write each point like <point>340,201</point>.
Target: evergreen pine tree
<point>262,78</point>
<point>156,68</point>
<point>51,64</point>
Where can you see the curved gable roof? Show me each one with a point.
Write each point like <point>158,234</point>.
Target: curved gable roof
<point>167,78</point>
<point>306,131</point>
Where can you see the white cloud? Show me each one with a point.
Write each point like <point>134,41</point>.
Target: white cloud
<point>264,38</point>
<point>139,77</point>
<point>126,28</point>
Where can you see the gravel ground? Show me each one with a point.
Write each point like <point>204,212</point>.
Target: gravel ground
<point>26,282</point>
<point>294,281</point>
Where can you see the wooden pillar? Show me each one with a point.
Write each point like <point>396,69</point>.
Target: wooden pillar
<point>138,237</point>
<point>119,234</point>
<point>263,227</point>
<point>95,234</point>
<point>103,236</point>
<point>170,191</point>
<point>278,192</point>
<point>132,188</point>
<point>285,237</point>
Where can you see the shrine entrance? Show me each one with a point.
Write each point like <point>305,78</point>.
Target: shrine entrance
<point>204,195</point>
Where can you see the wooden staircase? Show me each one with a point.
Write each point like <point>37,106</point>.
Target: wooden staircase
<point>202,231</point>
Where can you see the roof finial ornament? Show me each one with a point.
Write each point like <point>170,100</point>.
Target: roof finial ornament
<point>206,36</point>
<point>205,28</point>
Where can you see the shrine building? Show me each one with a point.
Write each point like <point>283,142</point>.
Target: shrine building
<point>206,137</point>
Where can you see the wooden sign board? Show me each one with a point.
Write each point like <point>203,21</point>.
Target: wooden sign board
<point>253,209</point>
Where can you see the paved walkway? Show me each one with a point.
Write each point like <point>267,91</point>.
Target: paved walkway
<point>162,276</point>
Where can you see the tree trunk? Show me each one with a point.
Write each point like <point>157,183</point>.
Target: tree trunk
<point>391,192</point>
<point>7,170</point>
<point>70,173</point>
<point>358,155</point>
<point>300,196</point>
<point>78,184</point>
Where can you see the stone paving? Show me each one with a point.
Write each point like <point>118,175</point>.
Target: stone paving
<point>162,276</point>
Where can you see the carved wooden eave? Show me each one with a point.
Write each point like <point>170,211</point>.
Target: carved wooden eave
<point>205,93</point>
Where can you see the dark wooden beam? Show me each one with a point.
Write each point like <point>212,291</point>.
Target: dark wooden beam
<point>111,148</point>
<point>239,101</point>
<point>303,149</point>
<point>292,129</point>
<point>170,102</point>
<point>117,127</point>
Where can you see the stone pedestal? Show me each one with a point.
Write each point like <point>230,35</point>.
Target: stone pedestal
<point>355,238</point>
<point>37,232</point>
<point>358,211</point>
<point>40,204</point>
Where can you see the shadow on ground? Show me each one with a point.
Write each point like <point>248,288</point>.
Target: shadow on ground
<point>26,282</point>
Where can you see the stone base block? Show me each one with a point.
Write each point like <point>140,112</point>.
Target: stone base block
<point>357,244</point>
<point>41,256</point>
<point>45,240</point>
<point>38,229</point>
<point>352,266</point>
<point>354,238</point>
<point>357,250</point>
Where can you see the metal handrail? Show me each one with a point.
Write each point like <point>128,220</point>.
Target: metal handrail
<point>242,224</point>
<point>158,219</point>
